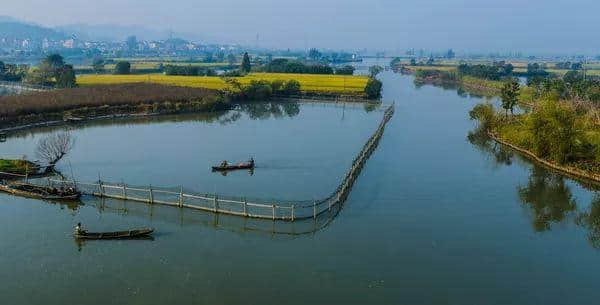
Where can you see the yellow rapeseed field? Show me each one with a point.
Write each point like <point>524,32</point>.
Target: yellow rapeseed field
<point>308,82</point>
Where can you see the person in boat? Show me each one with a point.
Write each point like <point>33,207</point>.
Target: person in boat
<point>79,229</point>
<point>251,162</point>
<point>224,164</point>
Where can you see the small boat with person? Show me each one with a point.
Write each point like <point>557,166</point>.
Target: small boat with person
<point>225,166</point>
<point>29,190</point>
<point>80,233</point>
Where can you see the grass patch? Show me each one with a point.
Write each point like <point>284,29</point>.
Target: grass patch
<point>20,167</point>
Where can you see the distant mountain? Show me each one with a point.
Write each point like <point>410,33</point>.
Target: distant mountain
<point>110,32</point>
<point>12,28</point>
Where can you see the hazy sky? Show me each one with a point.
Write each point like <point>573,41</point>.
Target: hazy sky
<point>528,25</point>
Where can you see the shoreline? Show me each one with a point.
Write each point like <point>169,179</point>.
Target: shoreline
<point>6,131</point>
<point>565,170</point>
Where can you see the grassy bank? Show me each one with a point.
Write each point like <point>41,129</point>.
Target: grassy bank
<point>20,167</point>
<point>104,100</point>
<point>309,83</point>
<point>475,85</point>
<point>555,133</point>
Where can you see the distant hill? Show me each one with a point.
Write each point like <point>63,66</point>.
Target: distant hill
<point>11,28</point>
<point>110,32</point>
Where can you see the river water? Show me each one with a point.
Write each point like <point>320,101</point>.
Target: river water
<point>437,216</point>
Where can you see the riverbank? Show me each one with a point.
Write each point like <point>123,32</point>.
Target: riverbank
<point>555,134</point>
<point>16,167</point>
<point>108,100</point>
<point>570,171</point>
<point>473,85</point>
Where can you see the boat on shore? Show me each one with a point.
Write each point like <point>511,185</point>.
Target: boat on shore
<point>39,192</point>
<point>130,234</point>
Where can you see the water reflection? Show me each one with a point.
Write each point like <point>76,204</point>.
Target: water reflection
<point>487,145</point>
<point>548,197</point>
<point>80,243</point>
<point>255,111</point>
<point>590,220</point>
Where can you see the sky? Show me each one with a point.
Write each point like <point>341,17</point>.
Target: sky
<point>551,26</point>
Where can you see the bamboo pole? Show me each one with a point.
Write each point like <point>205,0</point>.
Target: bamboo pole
<point>273,212</point>
<point>216,203</point>
<point>151,195</point>
<point>245,203</point>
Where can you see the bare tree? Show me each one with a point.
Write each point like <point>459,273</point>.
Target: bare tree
<point>54,147</point>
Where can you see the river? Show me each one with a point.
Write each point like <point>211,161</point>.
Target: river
<point>436,217</point>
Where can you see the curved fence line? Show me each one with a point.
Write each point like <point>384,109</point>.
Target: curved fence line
<point>238,206</point>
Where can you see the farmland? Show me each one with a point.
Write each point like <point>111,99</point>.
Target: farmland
<point>308,82</point>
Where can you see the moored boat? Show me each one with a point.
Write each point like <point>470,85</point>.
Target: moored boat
<point>227,167</point>
<point>130,234</point>
<point>39,192</point>
<point>232,167</point>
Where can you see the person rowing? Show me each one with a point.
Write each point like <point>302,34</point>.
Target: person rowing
<point>79,229</point>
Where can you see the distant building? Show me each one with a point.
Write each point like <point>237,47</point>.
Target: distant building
<point>69,43</point>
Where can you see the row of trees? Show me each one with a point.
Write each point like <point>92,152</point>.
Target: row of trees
<point>496,71</point>
<point>569,65</point>
<point>52,71</point>
<point>282,65</point>
<point>573,86</point>
<point>188,70</point>
<point>13,73</point>
<point>262,89</point>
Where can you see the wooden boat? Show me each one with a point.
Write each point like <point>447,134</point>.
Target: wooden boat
<point>247,165</point>
<point>39,192</point>
<point>131,234</point>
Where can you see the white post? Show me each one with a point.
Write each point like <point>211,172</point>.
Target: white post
<point>314,209</point>
<point>292,212</point>
<point>181,197</point>
<point>216,203</point>
<point>245,207</point>
<point>100,188</point>
<point>151,196</point>
<point>273,212</point>
<point>124,192</point>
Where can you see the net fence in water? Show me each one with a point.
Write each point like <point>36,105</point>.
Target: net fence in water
<point>232,205</point>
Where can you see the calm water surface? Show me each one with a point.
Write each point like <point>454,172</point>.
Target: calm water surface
<point>438,216</point>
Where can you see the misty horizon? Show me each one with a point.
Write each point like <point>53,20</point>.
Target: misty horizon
<point>467,25</point>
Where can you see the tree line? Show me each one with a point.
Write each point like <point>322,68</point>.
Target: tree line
<point>282,65</point>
